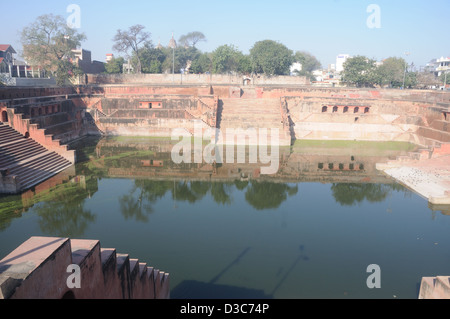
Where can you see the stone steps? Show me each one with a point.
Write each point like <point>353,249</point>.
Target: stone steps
<point>104,273</point>
<point>441,125</point>
<point>25,163</point>
<point>434,134</point>
<point>252,114</point>
<point>435,288</point>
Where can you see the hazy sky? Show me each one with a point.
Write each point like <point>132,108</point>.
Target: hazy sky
<point>324,28</point>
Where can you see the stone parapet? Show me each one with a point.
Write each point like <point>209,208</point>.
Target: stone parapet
<point>45,268</point>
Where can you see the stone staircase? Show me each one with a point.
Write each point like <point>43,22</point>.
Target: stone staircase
<point>252,114</point>
<point>25,163</point>
<point>38,269</point>
<point>435,288</point>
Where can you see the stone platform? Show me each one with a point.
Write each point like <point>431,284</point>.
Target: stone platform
<point>430,178</point>
<point>40,269</point>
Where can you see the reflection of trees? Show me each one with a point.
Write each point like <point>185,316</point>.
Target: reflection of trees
<point>64,219</point>
<point>266,195</point>
<point>350,194</point>
<point>220,193</point>
<point>261,195</point>
<point>64,215</point>
<point>10,207</point>
<point>137,204</point>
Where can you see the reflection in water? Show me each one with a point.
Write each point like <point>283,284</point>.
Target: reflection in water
<point>238,252</point>
<point>61,209</point>
<point>349,194</point>
<point>266,195</point>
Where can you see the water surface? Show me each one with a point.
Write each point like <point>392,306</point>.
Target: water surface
<point>311,231</point>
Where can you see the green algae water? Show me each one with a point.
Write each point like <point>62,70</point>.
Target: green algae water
<point>225,231</point>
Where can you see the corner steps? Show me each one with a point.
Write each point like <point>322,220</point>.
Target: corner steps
<point>38,269</point>
<point>25,163</point>
<point>435,288</point>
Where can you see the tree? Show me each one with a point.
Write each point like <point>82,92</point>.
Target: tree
<point>191,39</point>
<point>444,77</point>
<point>132,39</point>
<point>309,64</point>
<point>65,71</point>
<point>391,72</point>
<point>225,59</point>
<point>202,64</point>
<point>48,43</point>
<point>115,65</point>
<point>271,58</point>
<point>151,59</point>
<point>427,80</point>
<point>181,57</point>
<point>359,71</point>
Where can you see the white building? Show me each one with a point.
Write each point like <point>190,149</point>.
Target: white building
<point>340,60</point>
<point>442,65</point>
<point>296,66</point>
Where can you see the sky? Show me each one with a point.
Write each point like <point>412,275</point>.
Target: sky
<point>324,28</point>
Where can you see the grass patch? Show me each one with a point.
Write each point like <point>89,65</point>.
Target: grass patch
<point>373,145</point>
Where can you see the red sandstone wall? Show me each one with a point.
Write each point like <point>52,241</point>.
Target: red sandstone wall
<point>23,126</point>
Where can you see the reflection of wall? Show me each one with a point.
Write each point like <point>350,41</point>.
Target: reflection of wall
<point>299,165</point>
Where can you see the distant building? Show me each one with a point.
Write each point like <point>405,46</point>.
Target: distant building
<point>13,68</point>
<point>442,65</point>
<point>83,60</point>
<point>340,60</point>
<point>109,57</point>
<point>296,66</point>
<point>172,43</point>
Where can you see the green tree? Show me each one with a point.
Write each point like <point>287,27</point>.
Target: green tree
<point>391,72</point>
<point>65,71</point>
<point>48,42</point>
<point>151,58</point>
<point>183,58</point>
<point>225,59</point>
<point>359,71</point>
<point>115,65</point>
<point>445,78</point>
<point>271,58</point>
<point>202,63</point>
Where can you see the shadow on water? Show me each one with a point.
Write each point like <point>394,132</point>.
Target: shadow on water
<point>193,289</point>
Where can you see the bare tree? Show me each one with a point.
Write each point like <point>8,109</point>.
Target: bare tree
<point>191,39</point>
<point>132,39</point>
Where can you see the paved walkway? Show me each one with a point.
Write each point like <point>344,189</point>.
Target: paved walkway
<point>430,178</point>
